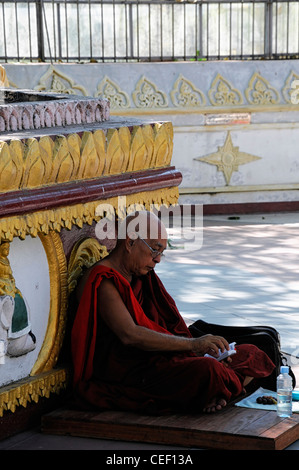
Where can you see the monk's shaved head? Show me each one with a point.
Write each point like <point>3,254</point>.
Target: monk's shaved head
<point>143,224</point>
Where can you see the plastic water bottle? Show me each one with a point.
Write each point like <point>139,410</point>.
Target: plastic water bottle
<point>284,393</point>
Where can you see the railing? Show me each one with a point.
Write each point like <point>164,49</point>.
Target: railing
<point>142,30</point>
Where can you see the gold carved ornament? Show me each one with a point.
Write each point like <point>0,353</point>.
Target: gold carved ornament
<point>56,219</point>
<point>50,160</point>
<point>84,254</point>
<point>50,349</point>
<point>31,390</point>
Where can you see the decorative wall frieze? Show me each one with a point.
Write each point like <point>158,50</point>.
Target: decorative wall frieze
<point>111,91</point>
<point>33,162</point>
<point>147,95</point>
<point>78,214</point>
<point>183,91</point>
<point>260,92</point>
<point>222,93</point>
<point>228,158</point>
<point>291,88</point>
<point>56,81</point>
<point>185,95</point>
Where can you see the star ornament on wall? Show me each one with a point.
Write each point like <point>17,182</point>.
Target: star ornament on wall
<point>228,158</point>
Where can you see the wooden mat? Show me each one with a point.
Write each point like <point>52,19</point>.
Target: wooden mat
<point>233,428</point>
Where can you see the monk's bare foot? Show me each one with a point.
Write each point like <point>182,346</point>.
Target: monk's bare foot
<point>216,405</point>
<point>247,380</point>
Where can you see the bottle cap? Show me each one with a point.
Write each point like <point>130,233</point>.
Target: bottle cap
<point>284,369</point>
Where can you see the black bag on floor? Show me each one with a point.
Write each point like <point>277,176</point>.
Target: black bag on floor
<point>265,338</point>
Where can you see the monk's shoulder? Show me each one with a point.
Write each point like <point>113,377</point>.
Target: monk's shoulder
<point>83,280</point>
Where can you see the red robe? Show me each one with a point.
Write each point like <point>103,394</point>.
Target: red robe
<point>109,375</point>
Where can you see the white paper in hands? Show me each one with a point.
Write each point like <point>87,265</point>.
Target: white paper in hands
<point>224,354</point>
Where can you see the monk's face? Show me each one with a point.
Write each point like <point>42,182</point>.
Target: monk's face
<point>146,239</point>
<point>145,254</point>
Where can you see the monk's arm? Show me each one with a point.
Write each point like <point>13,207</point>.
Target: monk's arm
<point>115,314</point>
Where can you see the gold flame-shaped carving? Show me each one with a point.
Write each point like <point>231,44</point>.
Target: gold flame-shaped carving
<point>49,160</point>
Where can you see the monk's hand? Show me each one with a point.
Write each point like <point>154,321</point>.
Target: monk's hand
<point>210,344</point>
<point>226,362</point>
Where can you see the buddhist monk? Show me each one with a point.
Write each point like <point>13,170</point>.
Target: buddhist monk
<point>131,347</point>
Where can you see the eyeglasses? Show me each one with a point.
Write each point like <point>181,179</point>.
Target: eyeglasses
<point>155,253</point>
